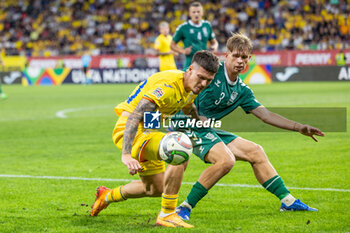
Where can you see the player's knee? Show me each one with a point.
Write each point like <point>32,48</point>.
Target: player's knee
<point>257,154</point>
<point>155,191</point>
<point>226,163</point>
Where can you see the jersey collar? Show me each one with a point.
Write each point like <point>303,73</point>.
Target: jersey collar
<point>228,78</point>
<point>195,25</point>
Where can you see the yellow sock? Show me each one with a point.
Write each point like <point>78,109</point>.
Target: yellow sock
<point>169,203</point>
<point>116,195</point>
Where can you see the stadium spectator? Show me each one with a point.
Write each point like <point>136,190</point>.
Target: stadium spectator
<point>195,34</point>
<point>162,46</point>
<point>39,28</point>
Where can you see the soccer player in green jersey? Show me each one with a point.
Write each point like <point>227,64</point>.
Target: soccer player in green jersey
<point>195,34</point>
<point>221,148</point>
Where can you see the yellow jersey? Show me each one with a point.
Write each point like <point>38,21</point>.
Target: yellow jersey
<point>166,62</point>
<point>165,89</point>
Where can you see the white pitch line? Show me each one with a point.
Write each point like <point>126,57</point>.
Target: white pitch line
<point>62,113</point>
<point>189,183</point>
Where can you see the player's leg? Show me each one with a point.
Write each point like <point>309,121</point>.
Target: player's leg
<point>149,159</point>
<point>223,161</point>
<point>172,183</point>
<point>145,150</point>
<point>212,150</point>
<point>265,173</point>
<point>254,154</point>
<point>148,186</point>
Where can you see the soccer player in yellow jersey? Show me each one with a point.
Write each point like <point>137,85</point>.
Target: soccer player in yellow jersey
<point>162,45</point>
<point>165,92</point>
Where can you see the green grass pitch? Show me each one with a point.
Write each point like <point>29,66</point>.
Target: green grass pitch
<point>35,142</point>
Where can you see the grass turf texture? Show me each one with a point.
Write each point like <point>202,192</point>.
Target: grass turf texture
<point>33,141</point>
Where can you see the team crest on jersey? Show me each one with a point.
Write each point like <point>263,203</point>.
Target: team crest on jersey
<point>232,98</point>
<point>191,31</point>
<point>205,32</point>
<point>158,92</point>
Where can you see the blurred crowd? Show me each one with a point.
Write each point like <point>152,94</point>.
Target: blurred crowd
<point>70,27</point>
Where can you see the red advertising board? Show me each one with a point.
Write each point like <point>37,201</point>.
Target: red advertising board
<point>278,58</point>
<point>300,58</point>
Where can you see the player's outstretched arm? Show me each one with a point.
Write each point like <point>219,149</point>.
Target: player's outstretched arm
<point>130,131</point>
<point>279,121</point>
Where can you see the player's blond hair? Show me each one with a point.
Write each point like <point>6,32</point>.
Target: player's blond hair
<point>195,4</point>
<point>239,42</point>
<point>163,23</point>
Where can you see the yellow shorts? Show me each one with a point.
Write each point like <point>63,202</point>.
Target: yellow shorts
<point>144,147</point>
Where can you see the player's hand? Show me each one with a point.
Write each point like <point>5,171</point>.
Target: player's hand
<point>188,50</point>
<point>308,130</point>
<point>202,118</point>
<point>213,48</point>
<point>176,54</point>
<point>132,164</point>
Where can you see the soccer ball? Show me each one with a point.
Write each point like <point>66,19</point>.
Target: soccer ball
<point>175,148</point>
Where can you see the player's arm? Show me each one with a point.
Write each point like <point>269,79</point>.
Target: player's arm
<point>178,49</point>
<point>214,45</point>
<point>191,110</point>
<point>130,132</point>
<point>163,54</point>
<point>279,121</point>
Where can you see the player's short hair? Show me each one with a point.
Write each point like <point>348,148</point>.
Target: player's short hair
<point>239,42</point>
<point>163,23</point>
<point>208,60</point>
<point>195,4</point>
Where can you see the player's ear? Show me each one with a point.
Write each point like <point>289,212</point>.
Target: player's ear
<point>190,68</point>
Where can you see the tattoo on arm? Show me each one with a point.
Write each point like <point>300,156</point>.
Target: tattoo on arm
<point>133,121</point>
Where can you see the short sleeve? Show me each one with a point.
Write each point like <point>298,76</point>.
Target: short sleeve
<point>160,95</point>
<point>211,32</point>
<point>250,103</point>
<point>178,34</point>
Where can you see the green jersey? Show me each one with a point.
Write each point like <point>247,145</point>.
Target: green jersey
<point>223,96</point>
<point>194,35</point>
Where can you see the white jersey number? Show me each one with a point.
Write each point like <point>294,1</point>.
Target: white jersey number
<point>222,95</point>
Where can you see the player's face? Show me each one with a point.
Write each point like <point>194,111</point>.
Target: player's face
<point>164,30</point>
<point>198,79</point>
<point>236,61</point>
<point>196,14</point>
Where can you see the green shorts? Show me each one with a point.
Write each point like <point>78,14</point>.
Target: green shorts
<point>205,138</point>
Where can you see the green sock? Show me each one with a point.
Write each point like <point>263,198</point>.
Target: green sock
<point>276,186</point>
<point>198,191</point>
